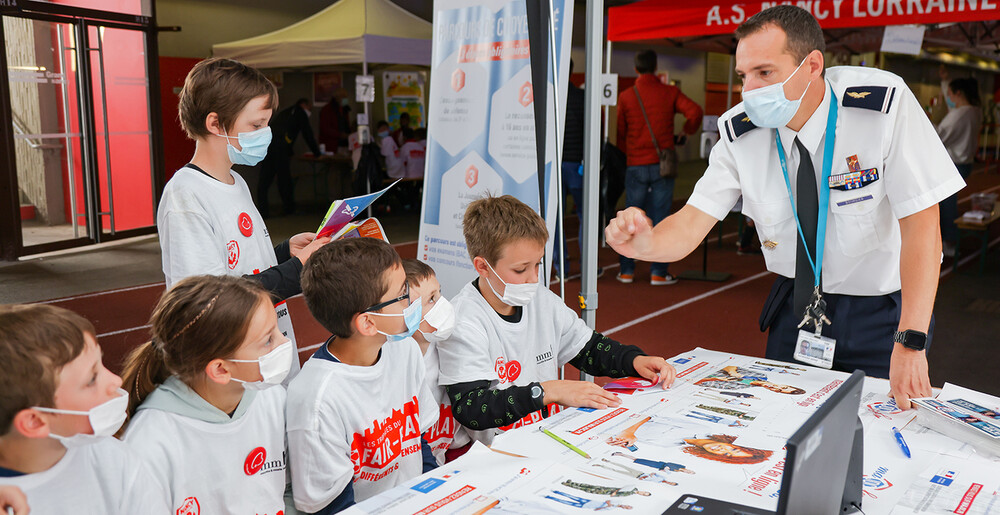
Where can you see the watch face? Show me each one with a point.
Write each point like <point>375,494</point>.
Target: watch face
<point>914,340</point>
<point>536,391</point>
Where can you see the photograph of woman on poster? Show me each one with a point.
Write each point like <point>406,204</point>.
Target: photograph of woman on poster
<point>736,378</point>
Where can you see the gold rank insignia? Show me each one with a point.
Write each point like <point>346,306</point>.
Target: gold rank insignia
<point>769,245</point>
<point>858,94</point>
<point>745,119</point>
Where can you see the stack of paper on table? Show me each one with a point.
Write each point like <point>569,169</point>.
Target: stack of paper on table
<point>965,415</point>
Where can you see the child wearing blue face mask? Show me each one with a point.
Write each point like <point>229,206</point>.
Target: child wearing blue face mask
<point>207,221</point>
<point>59,407</point>
<point>207,405</point>
<point>358,408</point>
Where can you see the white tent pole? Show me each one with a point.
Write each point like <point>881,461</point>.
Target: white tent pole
<point>364,71</point>
<point>591,163</point>
<point>557,162</point>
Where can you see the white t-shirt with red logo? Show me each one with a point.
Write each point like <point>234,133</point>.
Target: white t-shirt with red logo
<point>412,153</point>
<point>485,347</point>
<point>209,227</point>
<point>209,468</point>
<point>446,432</point>
<point>101,478</point>
<point>357,424</point>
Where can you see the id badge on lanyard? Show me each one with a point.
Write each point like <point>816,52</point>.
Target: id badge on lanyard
<point>285,326</point>
<point>813,348</point>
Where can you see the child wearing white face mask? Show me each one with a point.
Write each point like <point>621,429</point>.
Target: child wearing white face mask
<point>59,407</point>
<point>437,325</point>
<point>207,405</point>
<point>206,220</point>
<point>501,363</point>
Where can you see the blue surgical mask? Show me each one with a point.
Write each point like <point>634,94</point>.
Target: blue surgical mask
<point>383,134</point>
<point>949,101</point>
<point>768,107</point>
<point>412,315</point>
<point>254,145</point>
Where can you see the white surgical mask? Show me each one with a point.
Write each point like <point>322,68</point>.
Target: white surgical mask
<point>254,145</point>
<point>442,318</point>
<point>105,419</point>
<point>274,367</point>
<point>514,294</point>
<point>768,107</point>
<point>411,315</point>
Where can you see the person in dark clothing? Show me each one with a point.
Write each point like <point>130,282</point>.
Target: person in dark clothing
<point>285,129</point>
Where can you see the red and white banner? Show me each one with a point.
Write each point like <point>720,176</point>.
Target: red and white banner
<point>658,19</point>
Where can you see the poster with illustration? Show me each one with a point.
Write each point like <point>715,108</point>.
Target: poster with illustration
<point>404,93</point>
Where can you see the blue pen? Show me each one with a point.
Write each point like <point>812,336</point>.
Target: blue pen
<point>901,442</point>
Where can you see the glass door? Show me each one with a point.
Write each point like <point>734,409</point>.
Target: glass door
<point>48,141</point>
<point>120,100</point>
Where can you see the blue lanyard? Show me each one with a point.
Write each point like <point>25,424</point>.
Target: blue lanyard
<point>824,189</point>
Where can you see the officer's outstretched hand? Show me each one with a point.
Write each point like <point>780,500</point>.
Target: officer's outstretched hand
<point>630,233</point>
<point>908,377</point>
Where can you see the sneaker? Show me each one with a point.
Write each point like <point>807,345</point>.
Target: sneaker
<point>657,280</point>
<point>625,278</point>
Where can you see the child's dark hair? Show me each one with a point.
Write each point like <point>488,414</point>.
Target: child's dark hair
<point>223,87</point>
<point>380,124</point>
<point>201,318</point>
<point>36,341</point>
<point>417,271</point>
<point>345,277</point>
<point>408,133</point>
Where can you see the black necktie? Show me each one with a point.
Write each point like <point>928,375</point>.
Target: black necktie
<point>807,207</point>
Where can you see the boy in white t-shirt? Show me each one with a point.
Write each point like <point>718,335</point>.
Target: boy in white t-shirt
<point>358,408</point>
<point>59,407</point>
<point>437,325</point>
<point>501,364</point>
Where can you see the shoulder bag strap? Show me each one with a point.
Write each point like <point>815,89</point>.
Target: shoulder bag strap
<point>644,117</point>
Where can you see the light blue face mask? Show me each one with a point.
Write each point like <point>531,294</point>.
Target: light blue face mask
<point>254,145</point>
<point>412,315</point>
<point>949,101</point>
<point>768,107</point>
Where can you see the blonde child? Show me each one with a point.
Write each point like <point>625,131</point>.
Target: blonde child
<point>501,364</point>
<point>59,407</point>
<point>437,324</point>
<point>208,411</point>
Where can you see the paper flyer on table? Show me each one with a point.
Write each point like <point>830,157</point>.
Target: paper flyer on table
<point>950,485</point>
<point>341,212</point>
<point>369,228</point>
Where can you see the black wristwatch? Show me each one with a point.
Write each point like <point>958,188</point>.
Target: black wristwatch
<point>537,393</point>
<point>911,339</point>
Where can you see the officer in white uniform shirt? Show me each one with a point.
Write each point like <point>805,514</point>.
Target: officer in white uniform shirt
<point>878,242</point>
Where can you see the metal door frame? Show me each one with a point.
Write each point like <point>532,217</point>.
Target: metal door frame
<point>11,242</point>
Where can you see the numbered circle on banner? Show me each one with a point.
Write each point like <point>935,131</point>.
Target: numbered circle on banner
<point>609,89</point>
<point>364,88</point>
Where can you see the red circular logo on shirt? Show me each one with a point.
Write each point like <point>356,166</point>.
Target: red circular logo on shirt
<point>190,506</point>
<point>233,249</point>
<point>255,461</point>
<point>513,371</point>
<point>246,225</point>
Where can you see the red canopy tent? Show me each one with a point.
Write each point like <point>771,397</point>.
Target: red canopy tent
<point>709,24</point>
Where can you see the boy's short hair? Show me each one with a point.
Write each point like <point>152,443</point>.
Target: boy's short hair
<point>344,278</point>
<point>417,271</point>
<point>36,341</point>
<point>491,223</point>
<point>223,87</point>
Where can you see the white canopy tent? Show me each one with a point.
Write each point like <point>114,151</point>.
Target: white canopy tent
<point>347,32</point>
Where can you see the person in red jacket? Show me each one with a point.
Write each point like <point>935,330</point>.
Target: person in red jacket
<point>644,188</point>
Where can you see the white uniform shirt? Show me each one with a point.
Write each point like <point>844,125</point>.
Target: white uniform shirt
<point>485,347</point>
<point>446,432</point>
<point>102,478</point>
<point>237,467</point>
<point>862,235</point>
<point>362,424</point>
<point>209,227</point>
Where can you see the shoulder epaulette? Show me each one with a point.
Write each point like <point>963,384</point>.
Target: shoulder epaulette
<point>876,98</point>
<point>738,126</point>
